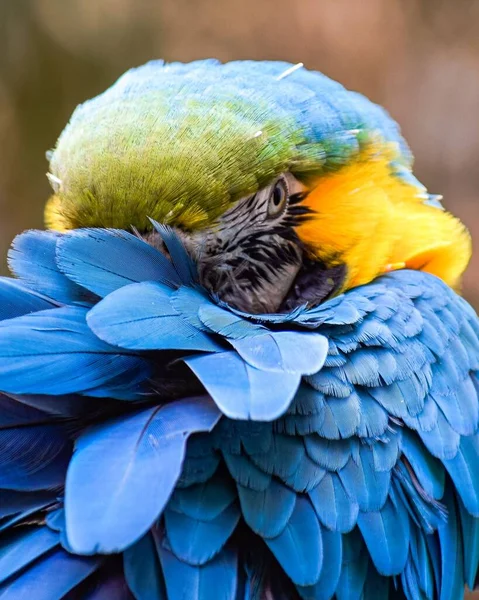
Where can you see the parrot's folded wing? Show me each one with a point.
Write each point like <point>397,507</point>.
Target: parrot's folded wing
<point>354,459</point>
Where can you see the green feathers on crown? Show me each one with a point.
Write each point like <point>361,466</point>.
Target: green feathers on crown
<point>180,143</point>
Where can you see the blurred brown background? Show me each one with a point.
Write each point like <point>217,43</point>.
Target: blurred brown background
<point>419,58</point>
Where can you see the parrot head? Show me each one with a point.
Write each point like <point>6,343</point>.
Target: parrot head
<point>284,187</point>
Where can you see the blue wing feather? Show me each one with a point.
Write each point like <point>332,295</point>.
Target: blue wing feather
<point>374,420</point>
<point>452,561</point>
<point>181,260</point>
<point>299,548</point>
<point>103,260</point>
<point>245,473</point>
<point>267,511</point>
<point>470,537</point>
<point>59,573</point>
<point>16,299</point>
<point>342,417</point>
<point>54,352</point>
<point>141,317</point>
<point>32,259</point>
<point>20,548</point>
<point>34,458</point>
<point>418,578</point>
<point>327,583</point>
<point>138,456</point>
<point>142,570</point>
<point>441,441</point>
<point>216,580</point>
<point>363,484</point>
<point>227,324</point>
<point>204,501</point>
<point>187,302</point>
<point>282,457</point>
<point>427,469</point>
<point>198,469</point>
<point>354,568</point>
<point>197,542</point>
<point>386,534</point>
<point>307,476</point>
<point>284,351</point>
<point>335,509</point>
<point>329,454</point>
<point>247,392</point>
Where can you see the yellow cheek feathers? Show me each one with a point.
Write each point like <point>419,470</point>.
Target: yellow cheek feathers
<point>374,222</point>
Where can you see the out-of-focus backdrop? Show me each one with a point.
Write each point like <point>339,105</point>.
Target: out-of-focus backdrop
<point>418,58</point>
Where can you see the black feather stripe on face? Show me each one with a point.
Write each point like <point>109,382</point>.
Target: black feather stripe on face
<point>253,259</point>
<point>252,255</point>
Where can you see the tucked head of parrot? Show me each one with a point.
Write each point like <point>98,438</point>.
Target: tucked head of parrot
<point>285,187</point>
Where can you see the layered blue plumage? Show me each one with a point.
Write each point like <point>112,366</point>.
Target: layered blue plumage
<point>157,444</point>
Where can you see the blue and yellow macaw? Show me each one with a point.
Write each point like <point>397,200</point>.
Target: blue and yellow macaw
<point>236,366</point>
